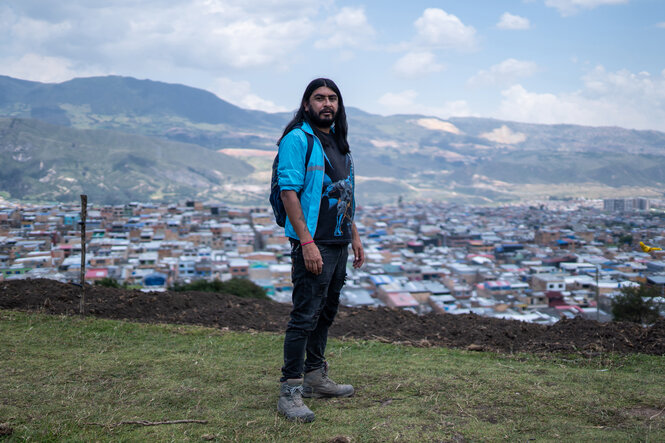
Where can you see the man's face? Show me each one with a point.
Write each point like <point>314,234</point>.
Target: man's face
<point>322,107</point>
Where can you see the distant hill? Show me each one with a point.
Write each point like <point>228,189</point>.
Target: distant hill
<point>127,96</point>
<point>147,107</point>
<point>484,160</point>
<point>46,162</point>
<point>466,159</point>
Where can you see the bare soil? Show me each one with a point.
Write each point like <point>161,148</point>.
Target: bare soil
<point>472,332</point>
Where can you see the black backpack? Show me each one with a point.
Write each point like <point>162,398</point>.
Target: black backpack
<point>275,198</point>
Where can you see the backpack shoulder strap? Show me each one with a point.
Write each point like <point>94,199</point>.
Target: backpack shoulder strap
<point>310,146</point>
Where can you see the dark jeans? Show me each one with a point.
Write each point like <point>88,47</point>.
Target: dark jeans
<point>315,303</point>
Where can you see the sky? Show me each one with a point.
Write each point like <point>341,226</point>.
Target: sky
<point>588,62</point>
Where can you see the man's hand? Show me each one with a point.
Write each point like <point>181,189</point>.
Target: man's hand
<point>357,246</point>
<point>358,254</point>
<point>310,252</point>
<point>312,258</point>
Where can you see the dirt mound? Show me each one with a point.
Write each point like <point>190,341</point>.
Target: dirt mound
<point>389,325</point>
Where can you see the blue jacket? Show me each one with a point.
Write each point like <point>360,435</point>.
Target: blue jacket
<point>292,176</point>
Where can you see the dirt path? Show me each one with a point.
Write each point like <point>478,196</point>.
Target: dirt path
<point>389,325</point>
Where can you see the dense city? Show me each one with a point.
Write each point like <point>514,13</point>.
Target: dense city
<point>537,262</point>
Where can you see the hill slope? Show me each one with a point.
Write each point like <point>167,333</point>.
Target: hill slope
<point>577,336</point>
<point>48,162</point>
<point>472,160</point>
<point>114,95</point>
<point>67,378</point>
<point>137,106</point>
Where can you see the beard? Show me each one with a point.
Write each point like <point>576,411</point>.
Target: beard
<point>321,122</point>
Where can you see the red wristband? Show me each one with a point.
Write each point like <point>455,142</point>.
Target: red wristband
<point>306,243</point>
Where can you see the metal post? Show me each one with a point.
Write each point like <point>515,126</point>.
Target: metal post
<point>84,216</point>
<point>597,295</point>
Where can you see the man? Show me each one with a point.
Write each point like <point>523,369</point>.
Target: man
<point>319,202</point>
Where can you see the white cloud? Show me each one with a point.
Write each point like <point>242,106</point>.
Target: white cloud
<point>522,105</point>
<point>438,29</point>
<point>619,98</point>
<point>506,72</point>
<point>252,43</point>
<point>348,28</point>
<point>570,7</point>
<point>513,22</point>
<point>43,69</point>
<point>187,34</point>
<point>627,87</point>
<point>405,103</point>
<point>240,94</point>
<point>660,25</point>
<point>233,9</point>
<point>29,31</point>
<point>417,64</point>
<point>394,100</point>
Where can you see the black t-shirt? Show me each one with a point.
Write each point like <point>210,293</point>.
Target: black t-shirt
<point>334,225</point>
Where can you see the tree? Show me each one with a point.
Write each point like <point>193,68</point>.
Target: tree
<point>244,288</point>
<point>108,282</point>
<point>236,286</point>
<point>626,239</point>
<point>636,304</point>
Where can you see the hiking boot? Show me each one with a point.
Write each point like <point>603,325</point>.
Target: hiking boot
<point>290,401</point>
<point>317,384</point>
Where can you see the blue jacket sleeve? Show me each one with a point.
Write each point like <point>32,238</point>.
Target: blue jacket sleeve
<point>291,170</point>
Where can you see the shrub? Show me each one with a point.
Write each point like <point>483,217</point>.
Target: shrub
<point>108,282</point>
<point>236,286</point>
<point>636,304</point>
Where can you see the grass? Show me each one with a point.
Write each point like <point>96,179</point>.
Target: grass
<point>79,379</point>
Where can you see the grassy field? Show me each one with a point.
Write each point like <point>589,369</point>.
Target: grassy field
<point>75,379</point>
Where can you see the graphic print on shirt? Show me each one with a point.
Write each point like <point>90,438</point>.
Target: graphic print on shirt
<point>339,194</point>
<point>336,207</point>
<point>336,210</point>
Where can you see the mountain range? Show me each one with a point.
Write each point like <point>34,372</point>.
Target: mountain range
<point>120,139</point>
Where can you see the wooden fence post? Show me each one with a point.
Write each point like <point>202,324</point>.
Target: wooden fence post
<point>84,216</point>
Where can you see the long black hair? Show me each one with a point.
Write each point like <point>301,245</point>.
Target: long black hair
<point>341,127</point>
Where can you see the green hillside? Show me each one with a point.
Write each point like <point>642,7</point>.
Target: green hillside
<point>84,379</point>
<point>55,163</point>
<point>171,111</point>
<point>467,159</point>
<point>115,95</point>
